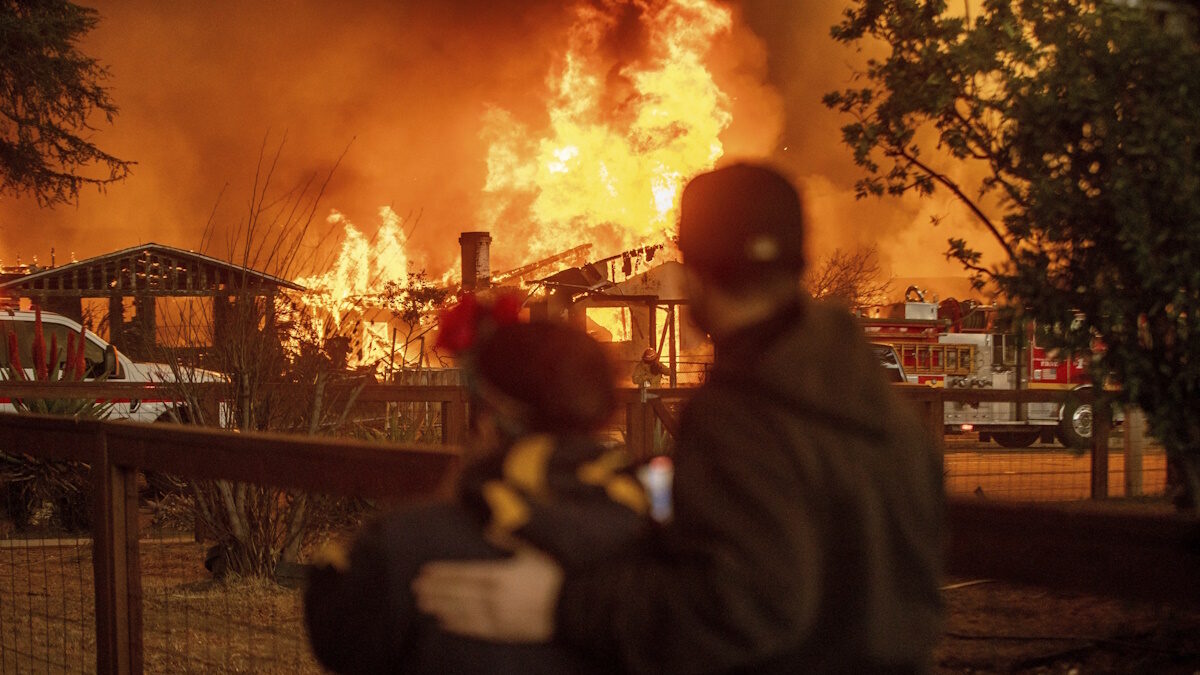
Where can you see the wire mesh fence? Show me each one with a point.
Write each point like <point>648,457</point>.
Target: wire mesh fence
<point>197,614</point>
<point>201,614</point>
<point>47,601</point>
<point>214,585</point>
<point>1048,471</point>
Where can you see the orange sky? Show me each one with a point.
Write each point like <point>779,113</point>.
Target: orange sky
<point>405,86</point>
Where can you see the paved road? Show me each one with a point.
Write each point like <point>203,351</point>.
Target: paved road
<point>1043,472</point>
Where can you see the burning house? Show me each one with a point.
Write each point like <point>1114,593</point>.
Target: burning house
<point>148,297</point>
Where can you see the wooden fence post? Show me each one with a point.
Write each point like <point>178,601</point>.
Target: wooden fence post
<point>639,431</point>
<point>1135,439</point>
<point>935,419</point>
<point>116,564</point>
<point>454,422</point>
<point>1101,426</point>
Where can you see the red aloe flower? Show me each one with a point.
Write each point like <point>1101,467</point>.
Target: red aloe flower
<point>39,347</point>
<point>69,365</point>
<point>14,358</point>
<point>52,358</point>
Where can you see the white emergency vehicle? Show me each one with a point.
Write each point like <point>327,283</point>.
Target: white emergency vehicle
<point>100,358</point>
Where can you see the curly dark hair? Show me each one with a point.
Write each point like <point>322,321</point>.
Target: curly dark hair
<point>562,376</point>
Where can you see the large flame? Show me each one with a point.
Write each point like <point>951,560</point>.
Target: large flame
<point>352,286</point>
<point>361,266</point>
<point>622,137</point>
<point>633,114</point>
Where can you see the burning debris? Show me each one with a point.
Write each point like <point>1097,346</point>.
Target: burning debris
<point>633,113</point>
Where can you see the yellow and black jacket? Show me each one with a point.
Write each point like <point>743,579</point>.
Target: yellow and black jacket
<point>568,496</point>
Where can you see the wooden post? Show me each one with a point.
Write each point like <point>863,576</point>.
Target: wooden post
<point>147,320</point>
<point>1101,425</point>
<point>652,325</point>
<point>1135,437</point>
<point>935,420</point>
<point>116,565</point>
<point>116,320</point>
<point>454,422</point>
<point>672,360</point>
<point>639,431</point>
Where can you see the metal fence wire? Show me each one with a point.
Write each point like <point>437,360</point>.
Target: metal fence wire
<point>203,610</point>
<point>47,601</point>
<point>1048,472</point>
<point>221,525</point>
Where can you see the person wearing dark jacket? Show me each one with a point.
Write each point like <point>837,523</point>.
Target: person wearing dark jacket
<point>539,393</point>
<point>807,502</point>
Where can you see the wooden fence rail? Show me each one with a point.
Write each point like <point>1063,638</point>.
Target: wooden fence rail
<point>1139,555</point>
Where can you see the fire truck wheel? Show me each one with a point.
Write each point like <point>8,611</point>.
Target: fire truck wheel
<point>1075,427</point>
<point>1016,439</point>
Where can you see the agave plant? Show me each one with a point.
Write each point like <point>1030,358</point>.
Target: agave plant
<point>36,491</point>
<point>51,366</point>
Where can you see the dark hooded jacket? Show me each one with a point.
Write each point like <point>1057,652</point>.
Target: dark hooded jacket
<point>570,497</point>
<point>807,531</point>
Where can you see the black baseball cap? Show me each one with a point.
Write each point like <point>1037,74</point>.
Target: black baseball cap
<point>740,222</point>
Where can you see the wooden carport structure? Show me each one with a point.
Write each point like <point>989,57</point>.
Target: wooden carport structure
<point>145,273</point>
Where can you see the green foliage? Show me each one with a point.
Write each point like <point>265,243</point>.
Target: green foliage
<point>416,300</point>
<point>49,95</point>
<point>1080,118</point>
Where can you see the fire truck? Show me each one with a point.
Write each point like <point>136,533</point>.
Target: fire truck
<point>958,344</point>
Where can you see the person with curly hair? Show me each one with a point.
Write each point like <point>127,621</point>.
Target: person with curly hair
<point>535,472</point>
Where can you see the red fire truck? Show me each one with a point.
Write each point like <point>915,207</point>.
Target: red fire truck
<point>957,344</point>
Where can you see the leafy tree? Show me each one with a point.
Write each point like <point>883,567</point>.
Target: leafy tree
<point>852,277</point>
<point>415,305</point>
<point>49,95</point>
<point>1080,118</point>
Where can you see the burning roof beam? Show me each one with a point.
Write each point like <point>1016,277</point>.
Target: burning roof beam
<point>525,272</point>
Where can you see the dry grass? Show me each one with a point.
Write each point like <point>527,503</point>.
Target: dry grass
<point>191,623</point>
<point>195,624</point>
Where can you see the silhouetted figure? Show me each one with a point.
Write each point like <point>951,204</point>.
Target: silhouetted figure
<point>537,473</point>
<point>806,533</point>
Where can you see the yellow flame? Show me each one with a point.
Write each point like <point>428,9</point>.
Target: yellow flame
<point>608,168</point>
<point>353,284</point>
<point>611,163</point>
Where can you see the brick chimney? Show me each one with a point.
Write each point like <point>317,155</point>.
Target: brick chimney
<point>476,263</point>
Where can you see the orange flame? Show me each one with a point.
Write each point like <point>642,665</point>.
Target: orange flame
<point>625,133</point>
<point>622,138</point>
<point>352,287</point>
<point>361,266</point>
